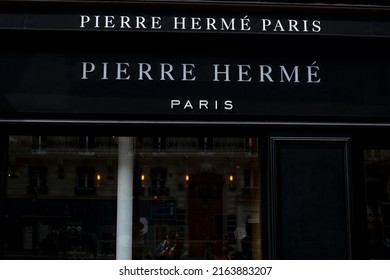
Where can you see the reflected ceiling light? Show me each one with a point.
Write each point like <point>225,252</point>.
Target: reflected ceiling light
<point>98,178</point>
<point>231,182</point>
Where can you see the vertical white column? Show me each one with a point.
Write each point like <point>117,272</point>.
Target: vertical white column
<point>124,229</point>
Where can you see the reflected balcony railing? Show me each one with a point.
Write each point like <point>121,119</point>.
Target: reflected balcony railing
<point>142,145</point>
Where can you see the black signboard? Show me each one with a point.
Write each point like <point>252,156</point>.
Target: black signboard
<point>137,84</point>
<point>190,64</point>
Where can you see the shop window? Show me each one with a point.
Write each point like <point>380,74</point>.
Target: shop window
<point>377,166</point>
<point>208,202</point>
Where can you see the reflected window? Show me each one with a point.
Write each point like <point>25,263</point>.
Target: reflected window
<point>86,180</point>
<point>38,180</point>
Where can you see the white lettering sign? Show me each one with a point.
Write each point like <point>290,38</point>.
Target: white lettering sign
<point>244,24</point>
<point>186,72</point>
<point>169,72</point>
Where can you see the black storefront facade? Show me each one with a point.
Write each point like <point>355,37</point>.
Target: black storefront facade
<point>247,130</point>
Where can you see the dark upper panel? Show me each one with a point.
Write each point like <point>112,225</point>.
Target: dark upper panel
<point>200,17</point>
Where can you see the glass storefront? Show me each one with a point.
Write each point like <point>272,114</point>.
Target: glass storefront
<point>200,195</point>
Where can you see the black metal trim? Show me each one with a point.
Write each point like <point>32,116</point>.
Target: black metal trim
<point>3,188</point>
<point>189,122</point>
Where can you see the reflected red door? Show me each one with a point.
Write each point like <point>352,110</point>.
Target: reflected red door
<point>205,214</point>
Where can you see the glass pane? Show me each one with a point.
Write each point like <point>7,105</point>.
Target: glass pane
<point>200,194</point>
<point>377,165</point>
<point>57,206</point>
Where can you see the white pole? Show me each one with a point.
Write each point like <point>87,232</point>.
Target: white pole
<point>124,228</point>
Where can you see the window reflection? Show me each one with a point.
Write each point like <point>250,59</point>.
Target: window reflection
<point>196,196</point>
